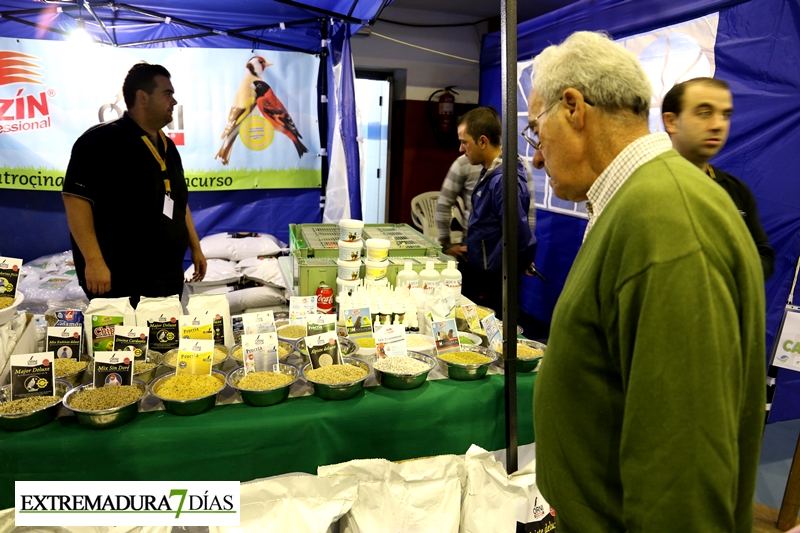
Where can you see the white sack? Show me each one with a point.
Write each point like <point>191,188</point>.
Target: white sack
<point>113,307</point>
<point>252,297</point>
<point>216,307</point>
<point>218,272</point>
<point>420,496</point>
<point>225,246</point>
<point>263,270</point>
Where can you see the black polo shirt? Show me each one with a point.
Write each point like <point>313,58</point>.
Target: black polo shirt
<point>112,167</point>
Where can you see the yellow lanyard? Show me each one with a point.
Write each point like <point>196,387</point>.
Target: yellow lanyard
<point>161,162</point>
<point>711,172</point>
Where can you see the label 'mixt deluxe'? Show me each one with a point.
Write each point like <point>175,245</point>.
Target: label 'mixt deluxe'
<point>64,343</point>
<point>132,339</point>
<point>32,375</point>
<point>113,368</point>
<point>9,276</point>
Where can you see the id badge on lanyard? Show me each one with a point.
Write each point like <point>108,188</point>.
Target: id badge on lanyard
<point>786,347</point>
<point>169,203</point>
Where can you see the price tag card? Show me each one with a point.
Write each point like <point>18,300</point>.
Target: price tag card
<point>195,357</point>
<point>390,341</point>
<point>9,277</point>
<point>261,322</point>
<point>358,322</point>
<point>445,335</point>
<point>113,368</point>
<point>64,342</point>
<point>323,350</point>
<point>301,307</point>
<point>163,334</point>
<point>493,332</point>
<point>471,316</point>
<point>32,375</point>
<point>260,352</point>
<point>318,324</point>
<point>132,339</point>
<point>196,327</point>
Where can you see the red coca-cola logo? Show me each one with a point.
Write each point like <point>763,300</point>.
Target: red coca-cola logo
<point>325,300</point>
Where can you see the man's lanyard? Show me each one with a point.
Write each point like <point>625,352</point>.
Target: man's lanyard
<point>161,162</point>
<point>711,172</point>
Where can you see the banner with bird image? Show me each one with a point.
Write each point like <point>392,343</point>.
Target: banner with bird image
<point>244,119</point>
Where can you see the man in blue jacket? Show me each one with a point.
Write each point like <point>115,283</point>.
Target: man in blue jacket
<point>479,133</point>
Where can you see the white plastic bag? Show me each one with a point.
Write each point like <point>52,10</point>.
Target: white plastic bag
<point>218,272</point>
<point>216,307</point>
<point>235,248</point>
<point>255,297</point>
<point>263,270</point>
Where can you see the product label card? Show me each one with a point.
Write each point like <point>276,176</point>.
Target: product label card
<point>445,335</point>
<point>237,325</point>
<point>103,332</point>
<point>195,357</point>
<point>301,307</point>
<point>132,339</point>
<point>113,368</point>
<point>219,329</point>
<point>471,316</point>
<point>196,327</point>
<point>164,333</point>
<point>318,324</point>
<point>390,341</point>
<point>323,350</point>
<point>69,317</point>
<point>493,332</point>
<point>261,322</point>
<point>64,342</point>
<point>32,375</point>
<point>260,352</point>
<point>9,277</point>
<point>358,322</point>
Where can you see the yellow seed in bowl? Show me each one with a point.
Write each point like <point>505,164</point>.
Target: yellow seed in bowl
<point>105,397</point>
<point>220,354</point>
<point>526,352</point>
<point>65,367</point>
<point>366,342</point>
<point>335,374</point>
<point>189,386</point>
<point>142,366</point>
<point>292,332</point>
<point>465,358</point>
<point>482,313</point>
<point>263,380</point>
<point>25,405</point>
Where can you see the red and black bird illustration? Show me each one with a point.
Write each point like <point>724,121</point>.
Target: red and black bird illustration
<point>276,114</point>
<point>243,105</point>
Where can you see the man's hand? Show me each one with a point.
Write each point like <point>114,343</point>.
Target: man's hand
<point>457,251</point>
<point>98,278</point>
<point>199,262</point>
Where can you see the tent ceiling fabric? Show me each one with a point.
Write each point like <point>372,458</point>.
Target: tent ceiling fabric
<point>187,23</point>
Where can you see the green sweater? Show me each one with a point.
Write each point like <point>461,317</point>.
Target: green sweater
<point>649,404</point>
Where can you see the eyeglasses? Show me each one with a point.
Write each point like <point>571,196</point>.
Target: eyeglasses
<point>531,136</point>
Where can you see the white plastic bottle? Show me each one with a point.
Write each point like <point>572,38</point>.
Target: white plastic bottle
<point>452,278</point>
<point>429,278</point>
<point>407,278</point>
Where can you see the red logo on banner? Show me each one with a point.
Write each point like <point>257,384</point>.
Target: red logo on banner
<point>177,138</point>
<point>14,68</point>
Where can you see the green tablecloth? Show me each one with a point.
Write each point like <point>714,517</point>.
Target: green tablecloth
<point>238,442</point>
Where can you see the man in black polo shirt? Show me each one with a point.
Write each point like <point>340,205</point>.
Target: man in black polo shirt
<point>126,198</point>
<point>696,115</point>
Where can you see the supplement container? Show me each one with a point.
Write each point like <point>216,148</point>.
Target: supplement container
<point>407,279</point>
<point>350,230</point>
<point>429,278</point>
<point>345,287</point>
<point>377,269</point>
<point>348,270</point>
<point>350,251</point>
<point>452,278</point>
<point>378,249</point>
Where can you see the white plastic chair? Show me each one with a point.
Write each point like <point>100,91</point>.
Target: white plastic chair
<point>423,215</point>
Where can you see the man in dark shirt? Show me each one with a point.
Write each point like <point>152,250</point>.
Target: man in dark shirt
<point>696,115</point>
<point>126,198</point>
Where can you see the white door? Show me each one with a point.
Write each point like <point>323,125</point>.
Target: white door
<point>372,101</point>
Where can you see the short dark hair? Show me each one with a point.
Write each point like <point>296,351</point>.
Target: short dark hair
<point>141,76</point>
<point>482,121</point>
<point>673,100</point>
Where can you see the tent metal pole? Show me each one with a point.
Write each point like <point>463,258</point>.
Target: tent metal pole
<point>322,113</point>
<point>8,16</point>
<point>326,12</point>
<point>508,43</point>
<point>100,22</point>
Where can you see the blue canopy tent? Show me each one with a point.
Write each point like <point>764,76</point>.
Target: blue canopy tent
<point>756,51</point>
<point>34,221</point>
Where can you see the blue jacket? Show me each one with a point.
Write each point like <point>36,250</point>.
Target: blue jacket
<point>485,230</point>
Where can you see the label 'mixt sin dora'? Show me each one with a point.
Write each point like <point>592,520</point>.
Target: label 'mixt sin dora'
<point>64,343</point>
<point>31,375</point>
<point>112,368</point>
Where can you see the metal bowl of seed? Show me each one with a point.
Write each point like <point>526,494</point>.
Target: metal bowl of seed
<point>146,370</point>
<point>73,371</point>
<point>468,364</point>
<point>285,349</point>
<point>29,413</point>
<point>404,373</point>
<point>220,356</point>
<point>470,339</point>
<point>105,407</point>
<point>338,382</point>
<point>261,389</point>
<point>291,333</point>
<point>188,395</point>
<point>461,320</point>
<point>346,346</point>
<point>529,355</point>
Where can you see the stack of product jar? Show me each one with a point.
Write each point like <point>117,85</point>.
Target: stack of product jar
<point>349,261</point>
<point>377,263</point>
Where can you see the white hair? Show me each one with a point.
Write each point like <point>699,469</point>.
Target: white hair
<point>607,75</point>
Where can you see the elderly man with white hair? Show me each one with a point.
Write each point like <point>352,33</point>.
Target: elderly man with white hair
<point>649,403</point>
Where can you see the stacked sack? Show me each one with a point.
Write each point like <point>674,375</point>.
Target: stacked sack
<point>244,267</point>
<point>51,278</point>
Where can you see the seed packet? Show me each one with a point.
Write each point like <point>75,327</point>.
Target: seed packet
<point>161,316</point>
<point>196,327</point>
<point>102,315</point>
<point>260,322</point>
<point>390,341</point>
<point>217,308</point>
<point>113,369</point>
<point>9,277</point>
<point>471,316</point>
<point>64,342</point>
<point>260,352</point>
<point>318,324</point>
<point>32,375</point>
<point>132,339</point>
<point>445,334</point>
<point>493,332</point>
<point>237,324</point>
<point>323,349</point>
<point>358,322</point>
<point>195,357</point>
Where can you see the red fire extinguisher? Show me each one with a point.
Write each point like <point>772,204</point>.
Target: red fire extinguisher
<point>446,109</point>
